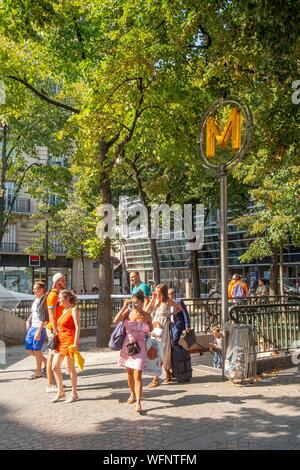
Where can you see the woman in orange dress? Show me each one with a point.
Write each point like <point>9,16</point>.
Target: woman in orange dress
<point>68,326</point>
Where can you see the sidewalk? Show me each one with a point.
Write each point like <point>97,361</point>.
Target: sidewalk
<point>204,414</point>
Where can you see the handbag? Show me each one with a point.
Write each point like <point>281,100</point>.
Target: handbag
<point>189,339</point>
<point>133,348</point>
<point>53,342</point>
<point>117,337</point>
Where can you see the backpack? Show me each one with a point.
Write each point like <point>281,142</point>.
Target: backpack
<point>42,309</point>
<point>238,291</point>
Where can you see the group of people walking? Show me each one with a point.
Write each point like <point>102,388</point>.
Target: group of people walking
<point>163,318</point>
<point>62,329</point>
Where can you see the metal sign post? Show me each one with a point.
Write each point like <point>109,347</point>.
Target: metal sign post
<point>224,247</point>
<point>209,133</point>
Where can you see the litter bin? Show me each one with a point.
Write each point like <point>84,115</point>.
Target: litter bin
<point>240,362</point>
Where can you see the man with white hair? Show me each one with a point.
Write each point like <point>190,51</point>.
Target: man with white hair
<point>55,310</point>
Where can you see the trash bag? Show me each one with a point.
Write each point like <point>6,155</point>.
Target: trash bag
<point>240,362</point>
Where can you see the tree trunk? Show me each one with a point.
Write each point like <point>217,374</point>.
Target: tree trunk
<point>155,259</point>
<point>281,270</point>
<point>105,302</point>
<point>274,272</point>
<point>83,273</point>
<point>152,242</point>
<point>2,182</point>
<point>195,274</point>
<point>105,312</point>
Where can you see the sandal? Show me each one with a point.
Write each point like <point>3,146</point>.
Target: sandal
<point>139,408</point>
<point>154,383</point>
<point>71,399</point>
<point>58,397</point>
<point>33,377</point>
<point>131,399</point>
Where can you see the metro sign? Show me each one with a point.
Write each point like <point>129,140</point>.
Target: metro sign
<point>239,126</point>
<point>213,133</point>
<point>34,260</point>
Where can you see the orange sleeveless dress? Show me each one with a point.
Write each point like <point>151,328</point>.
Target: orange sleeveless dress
<point>66,332</point>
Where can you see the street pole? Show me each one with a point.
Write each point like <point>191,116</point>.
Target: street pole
<point>224,256</point>
<point>47,253</point>
<point>207,135</point>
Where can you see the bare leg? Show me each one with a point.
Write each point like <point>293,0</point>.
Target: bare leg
<point>138,389</point>
<point>130,380</point>
<point>57,362</point>
<point>30,353</point>
<point>44,360</point>
<point>50,375</point>
<point>73,374</point>
<point>168,376</point>
<point>39,360</point>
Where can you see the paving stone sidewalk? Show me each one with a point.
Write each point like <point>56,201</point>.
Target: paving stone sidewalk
<point>204,414</point>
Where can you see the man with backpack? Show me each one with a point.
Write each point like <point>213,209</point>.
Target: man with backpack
<point>237,289</point>
<point>55,310</point>
<point>36,332</point>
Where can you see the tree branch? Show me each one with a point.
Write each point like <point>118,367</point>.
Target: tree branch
<point>207,37</point>
<point>113,140</point>
<point>80,39</point>
<point>126,80</point>
<point>136,175</point>
<point>43,96</point>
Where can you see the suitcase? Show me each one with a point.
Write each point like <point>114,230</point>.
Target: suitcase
<point>181,364</point>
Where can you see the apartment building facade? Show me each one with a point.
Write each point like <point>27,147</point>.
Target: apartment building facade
<point>16,270</point>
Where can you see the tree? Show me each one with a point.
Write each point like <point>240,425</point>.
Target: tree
<point>105,61</point>
<point>76,230</point>
<point>276,220</point>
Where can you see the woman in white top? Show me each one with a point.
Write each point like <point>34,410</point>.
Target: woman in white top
<point>36,333</point>
<point>162,307</point>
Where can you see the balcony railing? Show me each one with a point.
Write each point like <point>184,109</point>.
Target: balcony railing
<point>21,205</point>
<point>11,247</point>
<point>58,249</point>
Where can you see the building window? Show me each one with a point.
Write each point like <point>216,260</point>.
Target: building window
<point>9,240</point>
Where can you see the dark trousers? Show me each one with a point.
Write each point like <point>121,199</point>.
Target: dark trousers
<point>176,330</point>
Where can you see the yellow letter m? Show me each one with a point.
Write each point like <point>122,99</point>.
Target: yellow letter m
<point>233,126</point>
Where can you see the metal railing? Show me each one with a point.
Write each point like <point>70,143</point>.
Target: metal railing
<point>275,320</point>
<point>88,309</point>
<point>204,314</point>
<point>11,247</point>
<point>21,204</point>
<point>276,325</point>
<point>58,249</point>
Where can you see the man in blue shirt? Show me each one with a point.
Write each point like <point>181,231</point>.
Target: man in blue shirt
<point>139,285</point>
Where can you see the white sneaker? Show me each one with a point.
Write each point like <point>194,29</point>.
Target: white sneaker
<point>51,389</point>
